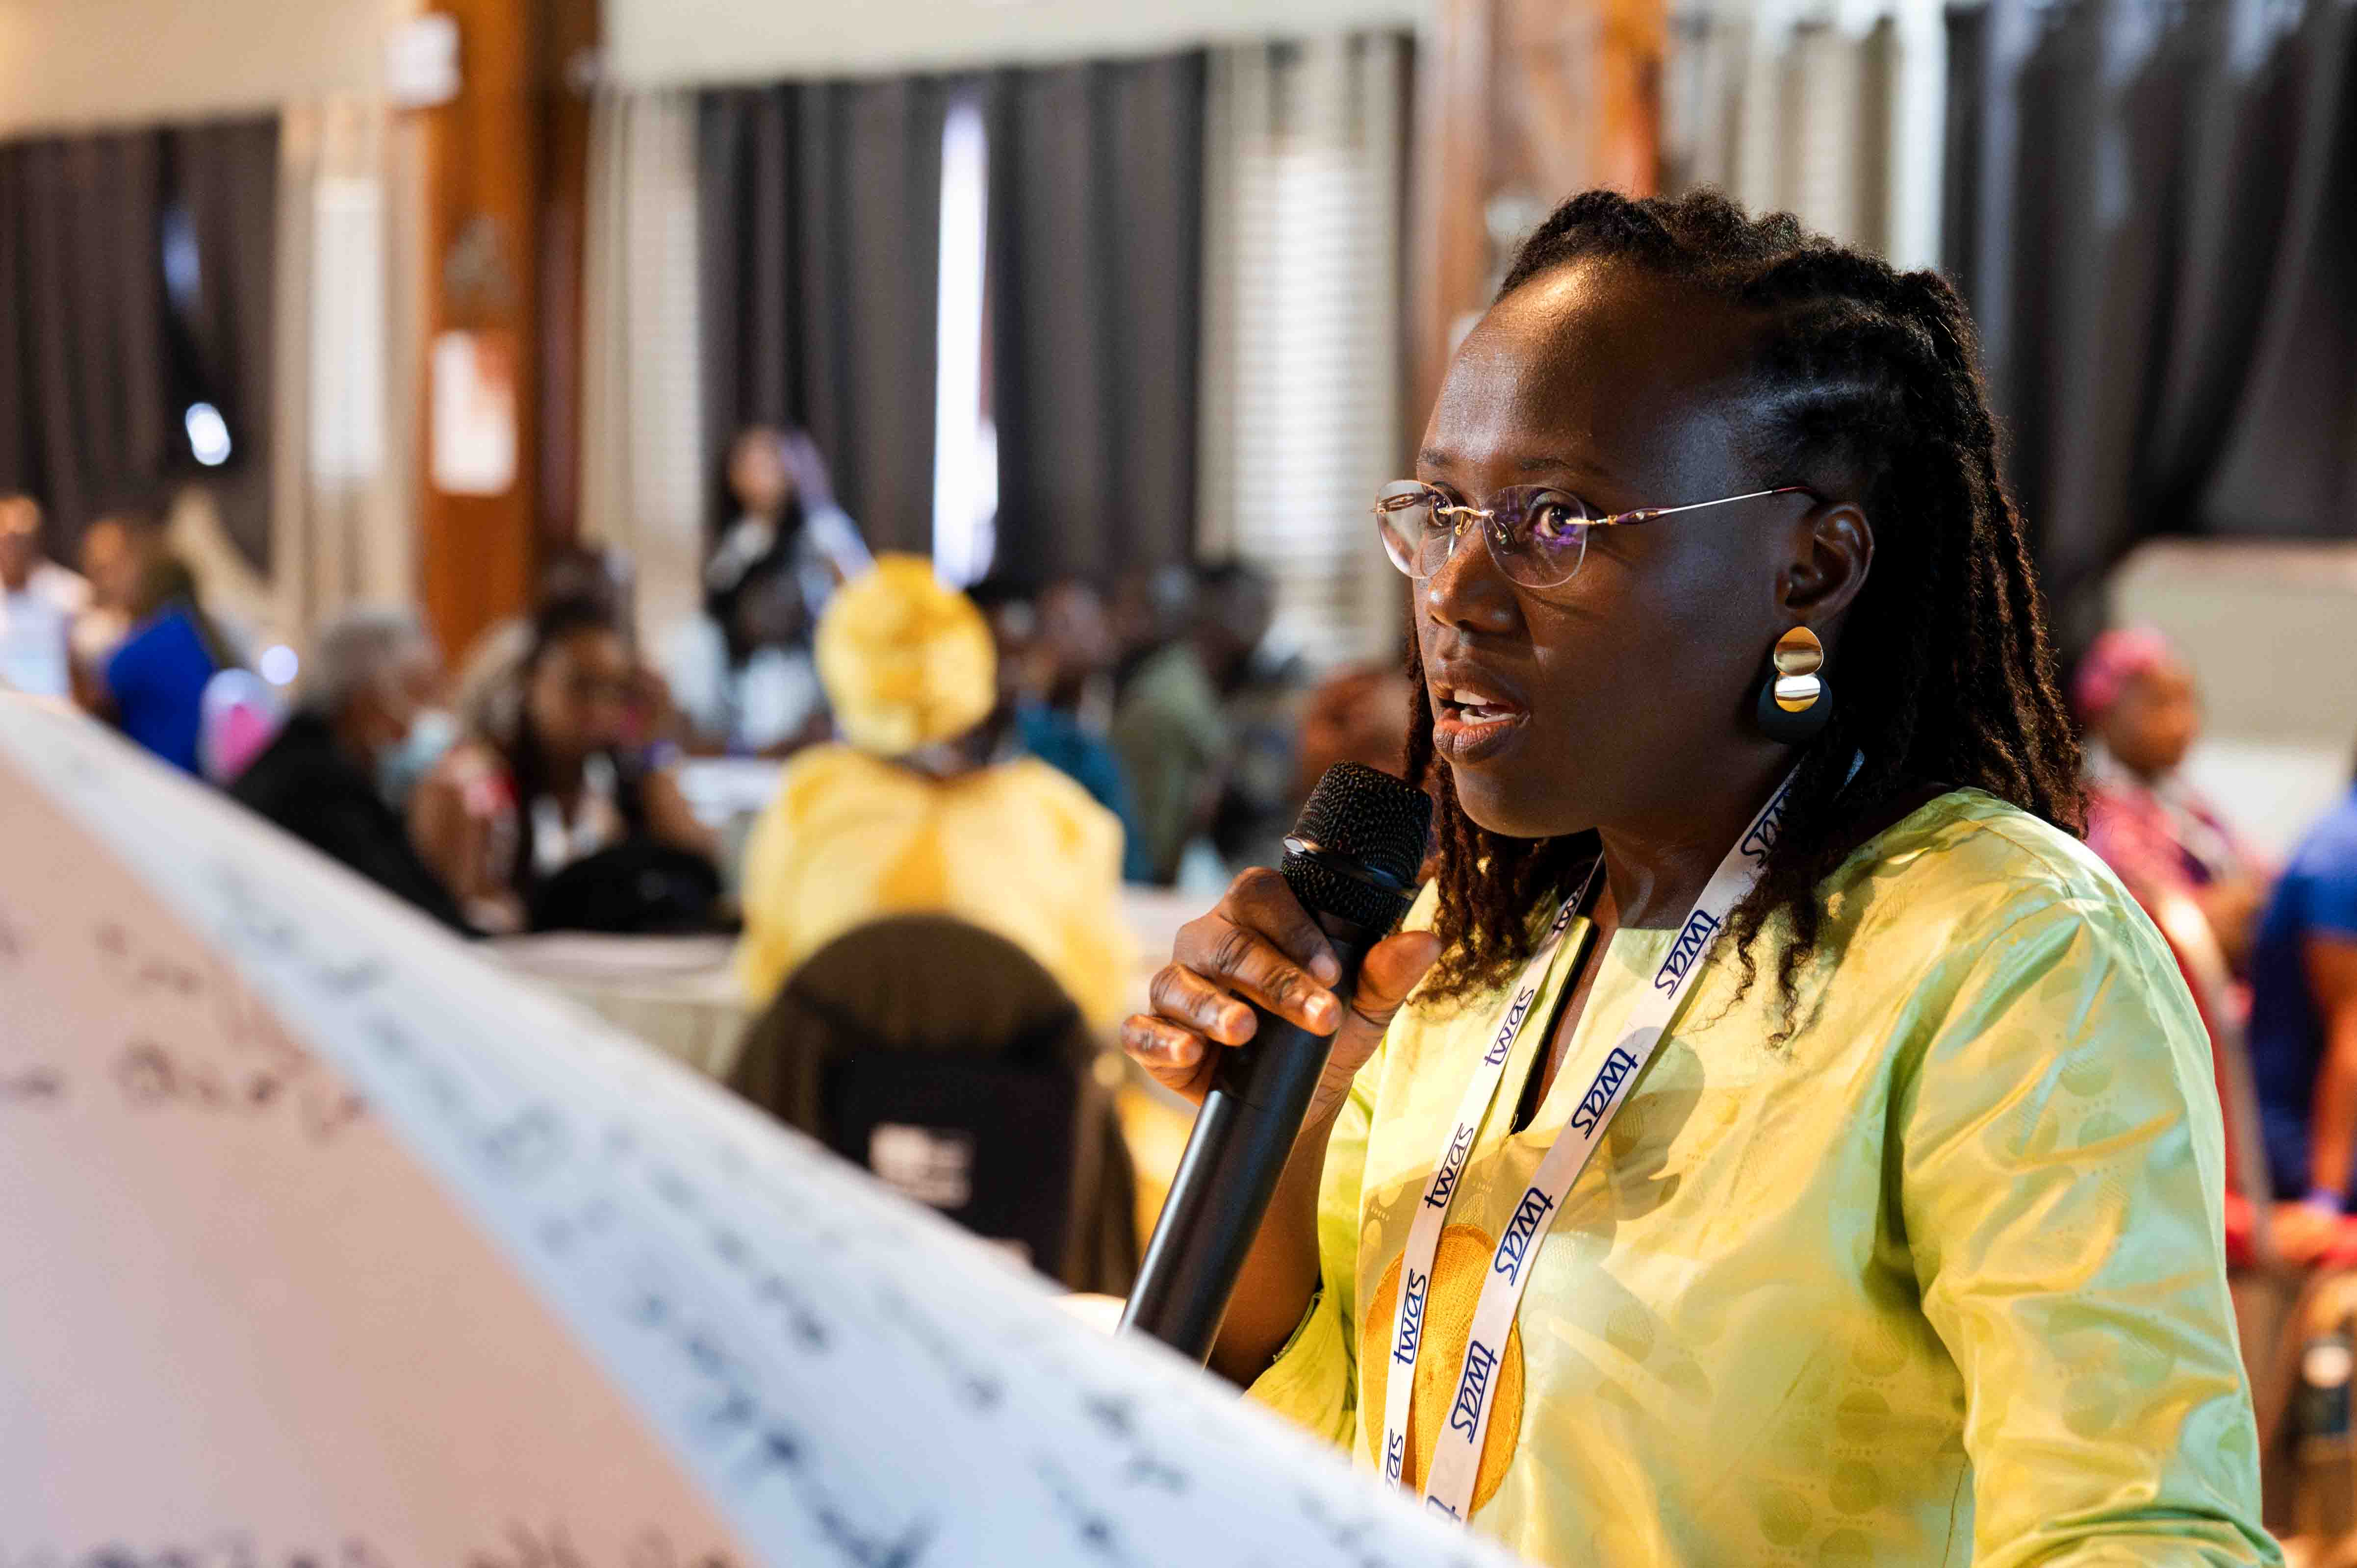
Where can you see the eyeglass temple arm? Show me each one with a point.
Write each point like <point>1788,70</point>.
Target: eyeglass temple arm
<point>1647,514</point>
<point>1643,514</point>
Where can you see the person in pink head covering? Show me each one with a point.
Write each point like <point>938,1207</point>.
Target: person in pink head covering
<point>2135,695</point>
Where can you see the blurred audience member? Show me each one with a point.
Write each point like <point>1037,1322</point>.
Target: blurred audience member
<point>776,491</point>
<point>363,733</point>
<point>1077,652</point>
<point>1357,715</point>
<point>153,687</point>
<point>116,551</point>
<point>1055,657</point>
<point>742,672</point>
<point>2303,1030</point>
<point>1258,802</point>
<point>1172,728</point>
<point>553,776</point>
<point>1010,609</point>
<point>240,717</point>
<point>39,602</point>
<point>2137,697</point>
<point>489,685</point>
<point>238,598</point>
<point>909,815</point>
<point>1150,608</point>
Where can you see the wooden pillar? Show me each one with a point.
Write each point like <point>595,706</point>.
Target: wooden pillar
<point>1520,104</point>
<point>568,68</point>
<point>506,171</point>
<point>475,517</point>
<point>1450,267</point>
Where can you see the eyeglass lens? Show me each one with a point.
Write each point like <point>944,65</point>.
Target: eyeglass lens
<point>1537,535</point>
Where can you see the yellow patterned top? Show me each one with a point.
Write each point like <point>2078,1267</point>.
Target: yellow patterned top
<point>1938,1280</point>
<point>1018,849</point>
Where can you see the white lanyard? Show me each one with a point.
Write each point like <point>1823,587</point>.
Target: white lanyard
<point>1448,1487</point>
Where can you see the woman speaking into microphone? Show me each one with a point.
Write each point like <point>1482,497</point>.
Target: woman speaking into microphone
<point>1775,1137</point>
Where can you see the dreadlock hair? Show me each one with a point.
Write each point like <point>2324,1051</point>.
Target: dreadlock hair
<point>554,621</point>
<point>1867,387</point>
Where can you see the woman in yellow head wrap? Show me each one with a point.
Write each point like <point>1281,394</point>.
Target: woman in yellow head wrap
<point>1798,1148</point>
<point>909,814</point>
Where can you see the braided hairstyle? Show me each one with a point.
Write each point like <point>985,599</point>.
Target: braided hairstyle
<point>1866,387</point>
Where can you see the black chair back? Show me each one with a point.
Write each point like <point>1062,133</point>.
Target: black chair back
<point>948,1063</point>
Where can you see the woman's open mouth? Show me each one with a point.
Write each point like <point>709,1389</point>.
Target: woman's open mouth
<point>1469,724</point>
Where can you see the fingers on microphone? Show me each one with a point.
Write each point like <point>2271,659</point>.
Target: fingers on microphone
<point>1160,1046</point>
<point>1178,993</point>
<point>1243,959</point>
<point>1265,902</point>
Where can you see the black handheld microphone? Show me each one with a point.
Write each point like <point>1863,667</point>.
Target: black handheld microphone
<point>1352,861</point>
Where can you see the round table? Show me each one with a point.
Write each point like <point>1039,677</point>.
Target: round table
<point>677,993</point>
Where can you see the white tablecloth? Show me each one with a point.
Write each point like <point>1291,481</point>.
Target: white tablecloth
<point>677,993</point>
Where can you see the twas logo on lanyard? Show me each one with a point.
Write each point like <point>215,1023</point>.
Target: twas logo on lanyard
<point>1696,936</point>
<point>1523,1229</point>
<point>1444,1184</point>
<point>1606,1084</point>
<point>1465,1415</point>
<point>1411,1331</point>
<point>1760,842</point>
<point>1511,1025</point>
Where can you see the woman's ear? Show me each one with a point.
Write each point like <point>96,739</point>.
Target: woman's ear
<point>1832,550</point>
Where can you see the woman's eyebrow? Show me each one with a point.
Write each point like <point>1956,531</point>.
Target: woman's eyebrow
<point>1576,465</point>
<point>1435,458</point>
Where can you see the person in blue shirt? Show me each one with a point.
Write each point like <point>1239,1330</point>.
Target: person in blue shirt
<point>154,686</point>
<point>2303,1029</point>
<point>1055,664</point>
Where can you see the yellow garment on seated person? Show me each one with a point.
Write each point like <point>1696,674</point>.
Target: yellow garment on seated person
<point>1018,849</point>
<point>1939,1279</point>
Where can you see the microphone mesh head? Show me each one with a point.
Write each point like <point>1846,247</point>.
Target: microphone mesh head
<point>1324,891</point>
<point>1366,815</point>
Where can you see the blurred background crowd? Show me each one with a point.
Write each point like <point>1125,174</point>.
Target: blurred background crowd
<point>742,505</point>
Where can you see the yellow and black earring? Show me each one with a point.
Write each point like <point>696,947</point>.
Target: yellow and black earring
<point>1796,700</point>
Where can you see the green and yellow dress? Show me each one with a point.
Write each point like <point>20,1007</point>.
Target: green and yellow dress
<point>1939,1278</point>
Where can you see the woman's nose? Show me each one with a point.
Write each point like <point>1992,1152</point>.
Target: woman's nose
<point>1468,591</point>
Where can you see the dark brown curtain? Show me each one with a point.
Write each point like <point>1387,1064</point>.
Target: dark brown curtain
<point>2288,463</point>
<point>98,357</point>
<point>821,209</point>
<point>225,175</point>
<point>84,400</point>
<point>1096,201</point>
<point>2150,212</point>
<point>1960,139</point>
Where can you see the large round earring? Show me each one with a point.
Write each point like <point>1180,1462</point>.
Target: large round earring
<point>1796,701</point>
